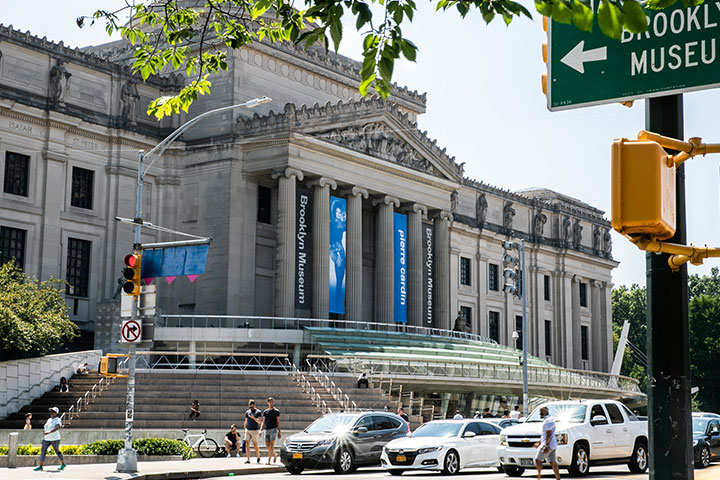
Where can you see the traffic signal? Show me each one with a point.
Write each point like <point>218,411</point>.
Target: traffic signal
<point>108,366</point>
<point>643,189</point>
<point>132,274</point>
<point>510,266</point>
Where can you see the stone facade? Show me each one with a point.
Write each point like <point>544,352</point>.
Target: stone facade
<point>236,178</point>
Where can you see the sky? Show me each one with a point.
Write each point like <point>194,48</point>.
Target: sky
<point>486,107</point>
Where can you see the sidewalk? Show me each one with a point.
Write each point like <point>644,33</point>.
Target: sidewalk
<point>188,469</point>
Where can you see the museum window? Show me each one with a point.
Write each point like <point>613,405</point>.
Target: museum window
<point>519,330</point>
<point>464,271</point>
<point>493,277</point>
<point>264,201</point>
<point>82,188</point>
<point>494,326</point>
<point>584,344</point>
<point>583,294</point>
<point>12,245</point>
<point>548,338</point>
<point>466,315</point>
<point>17,168</point>
<point>78,267</point>
<point>546,284</point>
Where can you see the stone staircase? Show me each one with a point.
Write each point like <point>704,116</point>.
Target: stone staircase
<point>162,401</point>
<point>79,384</point>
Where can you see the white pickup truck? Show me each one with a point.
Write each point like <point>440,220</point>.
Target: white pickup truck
<point>588,432</point>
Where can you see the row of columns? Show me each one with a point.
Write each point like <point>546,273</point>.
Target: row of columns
<point>384,262</point>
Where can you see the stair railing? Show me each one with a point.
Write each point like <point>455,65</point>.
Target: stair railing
<point>88,398</point>
<point>336,392</point>
<point>308,389</point>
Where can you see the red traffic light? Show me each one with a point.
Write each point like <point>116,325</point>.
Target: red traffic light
<point>131,260</point>
<point>132,273</point>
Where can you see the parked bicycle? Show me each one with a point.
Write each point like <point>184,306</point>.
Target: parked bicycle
<point>205,447</point>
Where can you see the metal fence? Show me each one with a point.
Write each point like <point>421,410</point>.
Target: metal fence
<point>296,323</point>
<point>467,369</point>
<point>208,361</point>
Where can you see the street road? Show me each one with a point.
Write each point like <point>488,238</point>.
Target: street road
<point>605,473</point>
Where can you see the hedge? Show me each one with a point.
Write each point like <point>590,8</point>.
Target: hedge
<point>144,446</point>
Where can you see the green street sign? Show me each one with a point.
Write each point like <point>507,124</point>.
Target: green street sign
<point>679,53</point>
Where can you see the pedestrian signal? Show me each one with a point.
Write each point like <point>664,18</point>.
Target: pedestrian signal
<point>643,189</point>
<point>132,274</point>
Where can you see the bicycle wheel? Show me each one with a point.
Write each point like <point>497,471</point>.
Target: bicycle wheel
<point>207,448</point>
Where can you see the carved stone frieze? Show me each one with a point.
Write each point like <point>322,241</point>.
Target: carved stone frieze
<point>539,222</point>
<point>508,214</point>
<point>577,234</point>
<point>481,206</point>
<point>378,140</point>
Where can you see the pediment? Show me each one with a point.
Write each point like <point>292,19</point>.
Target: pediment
<point>380,140</point>
<point>369,126</point>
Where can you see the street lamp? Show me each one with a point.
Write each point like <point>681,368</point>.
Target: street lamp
<point>127,457</point>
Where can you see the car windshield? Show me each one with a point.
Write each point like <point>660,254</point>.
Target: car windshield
<point>438,429</point>
<point>700,426</point>
<point>331,424</point>
<point>561,413</point>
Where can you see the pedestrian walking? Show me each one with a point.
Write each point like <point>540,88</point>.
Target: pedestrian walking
<point>253,420</point>
<point>51,436</point>
<point>547,445</point>
<point>271,426</point>
<point>28,421</point>
<point>515,413</point>
<point>401,413</point>
<point>458,415</point>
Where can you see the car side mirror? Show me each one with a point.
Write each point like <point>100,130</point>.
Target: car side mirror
<point>715,434</point>
<point>468,434</point>
<point>598,420</point>
<point>361,430</point>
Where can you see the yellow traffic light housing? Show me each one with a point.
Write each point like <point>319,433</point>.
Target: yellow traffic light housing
<point>643,189</point>
<point>109,365</point>
<point>131,272</point>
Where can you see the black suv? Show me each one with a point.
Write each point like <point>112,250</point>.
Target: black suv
<point>343,441</point>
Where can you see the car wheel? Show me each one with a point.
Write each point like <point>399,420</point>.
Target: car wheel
<point>580,465</point>
<point>452,463</point>
<point>345,462</point>
<point>639,459</point>
<point>397,473</point>
<point>512,470</point>
<point>704,458</point>
<point>294,470</point>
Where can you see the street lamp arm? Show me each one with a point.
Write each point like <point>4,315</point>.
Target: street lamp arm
<point>158,149</point>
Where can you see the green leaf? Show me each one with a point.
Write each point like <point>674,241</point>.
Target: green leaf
<point>385,67</point>
<point>336,34</point>
<point>692,3</point>
<point>610,19</point>
<point>365,84</point>
<point>544,8</point>
<point>409,50</point>
<point>582,16</point>
<point>562,13</point>
<point>635,17</point>
<point>659,4</point>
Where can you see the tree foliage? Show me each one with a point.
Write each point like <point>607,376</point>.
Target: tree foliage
<point>631,304</point>
<point>33,315</point>
<point>194,35</point>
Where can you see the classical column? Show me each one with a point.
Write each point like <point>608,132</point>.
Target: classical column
<point>598,328</point>
<point>441,223</point>
<point>321,245</point>
<point>573,331</point>
<point>384,272</point>
<point>415,214</point>
<point>354,290</point>
<point>285,259</point>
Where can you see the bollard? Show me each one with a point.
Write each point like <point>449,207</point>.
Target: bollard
<point>12,450</point>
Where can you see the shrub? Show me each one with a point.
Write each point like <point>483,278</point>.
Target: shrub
<point>28,450</point>
<point>144,446</point>
<point>162,446</point>
<point>3,450</point>
<point>71,449</point>
<point>103,447</point>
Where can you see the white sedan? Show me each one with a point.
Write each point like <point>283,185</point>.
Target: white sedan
<point>446,445</point>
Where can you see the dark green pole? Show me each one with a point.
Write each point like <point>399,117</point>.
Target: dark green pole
<point>670,448</point>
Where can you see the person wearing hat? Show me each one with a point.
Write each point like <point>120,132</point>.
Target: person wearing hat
<point>51,436</point>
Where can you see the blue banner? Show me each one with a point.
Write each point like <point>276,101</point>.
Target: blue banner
<point>400,261</point>
<point>338,233</point>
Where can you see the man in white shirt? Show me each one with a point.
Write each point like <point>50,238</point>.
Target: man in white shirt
<point>458,415</point>
<point>547,445</point>
<point>515,413</point>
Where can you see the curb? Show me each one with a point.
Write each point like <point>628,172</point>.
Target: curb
<point>208,473</point>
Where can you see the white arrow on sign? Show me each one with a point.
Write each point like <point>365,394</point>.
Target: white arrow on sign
<point>576,57</point>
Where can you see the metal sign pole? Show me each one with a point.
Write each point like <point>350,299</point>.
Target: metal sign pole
<point>524,328</point>
<point>127,457</point>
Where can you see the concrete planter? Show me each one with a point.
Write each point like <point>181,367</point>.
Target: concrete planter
<point>32,460</point>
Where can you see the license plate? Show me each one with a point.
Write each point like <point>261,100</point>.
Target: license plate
<point>527,461</point>
<point>297,455</point>
<point>401,458</point>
